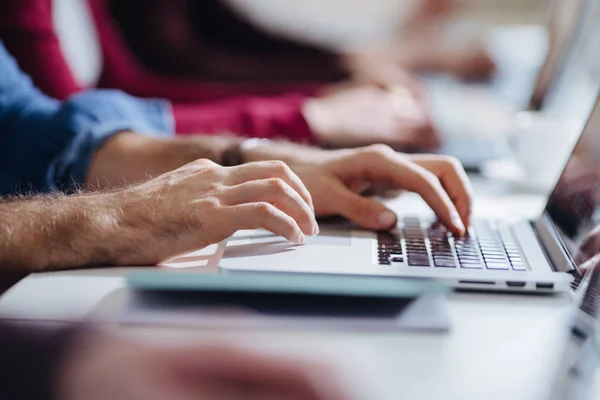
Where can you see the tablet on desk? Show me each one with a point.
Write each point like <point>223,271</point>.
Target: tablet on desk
<point>285,300</point>
<point>283,283</point>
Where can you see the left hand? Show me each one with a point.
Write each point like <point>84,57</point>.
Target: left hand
<point>336,180</point>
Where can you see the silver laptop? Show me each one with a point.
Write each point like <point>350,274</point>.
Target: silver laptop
<point>533,256</point>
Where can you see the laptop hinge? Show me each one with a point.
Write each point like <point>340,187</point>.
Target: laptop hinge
<point>553,246</point>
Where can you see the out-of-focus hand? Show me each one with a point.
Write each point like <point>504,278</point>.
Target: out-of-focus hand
<point>380,67</point>
<point>433,9</point>
<point>203,203</point>
<point>468,63</point>
<point>336,180</point>
<point>106,368</point>
<point>437,46</point>
<point>589,247</point>
<point>367,114</point>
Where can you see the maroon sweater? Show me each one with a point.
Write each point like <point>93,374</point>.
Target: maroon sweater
<point>209,40</point>
<point>249,109</point>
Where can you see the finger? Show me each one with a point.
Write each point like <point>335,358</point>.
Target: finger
<point>454,180</point>
<point>589,263</point>
<point>385,165</point>
<point>364,212</point>
<point>266,374</point>
<point>428,186</point>
<point>266,216</point>
<point>274,191</point>
<point>269,169</point>
<point>588,249</point>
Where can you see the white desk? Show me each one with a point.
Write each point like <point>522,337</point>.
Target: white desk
<point>499,347</point>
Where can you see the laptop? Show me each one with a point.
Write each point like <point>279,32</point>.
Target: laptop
<point>528,256</point>
<point>474,119</point>
<point>565,25</point>
<point>580,358</point>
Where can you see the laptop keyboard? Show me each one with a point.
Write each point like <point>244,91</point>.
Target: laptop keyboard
<point>420,243</point>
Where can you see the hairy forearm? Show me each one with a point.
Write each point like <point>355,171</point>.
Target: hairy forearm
<point>57,232</point>
<point>129,157</point>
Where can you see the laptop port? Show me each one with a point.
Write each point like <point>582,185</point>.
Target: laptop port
<point>477,282</point>
<point>544,285</point>
<point>515,284</point>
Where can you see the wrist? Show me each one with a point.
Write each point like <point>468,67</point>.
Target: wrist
<point>250,150</point>
<point>292,154</point>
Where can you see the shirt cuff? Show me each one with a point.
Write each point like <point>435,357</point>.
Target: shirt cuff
<point>94,117</point>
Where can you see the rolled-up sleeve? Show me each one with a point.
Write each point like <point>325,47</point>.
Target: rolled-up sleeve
<point>47,145</point>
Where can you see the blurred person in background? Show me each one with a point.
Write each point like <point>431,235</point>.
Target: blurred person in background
<point>345,116</point>
<point>219,40</point>
<point>83,363</point>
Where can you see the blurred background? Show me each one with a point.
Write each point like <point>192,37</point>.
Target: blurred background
<point>330,23</point>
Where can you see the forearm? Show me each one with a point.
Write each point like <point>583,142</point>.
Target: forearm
<point>58,232</point>
<point>129,157</point>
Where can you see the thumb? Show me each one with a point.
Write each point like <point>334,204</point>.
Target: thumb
<point>363,211</point>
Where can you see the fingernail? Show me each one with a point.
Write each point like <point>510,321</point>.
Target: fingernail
<point>299,239</point>
<point>458,223</point>
<point>387,219</point>
<point>315,231</point>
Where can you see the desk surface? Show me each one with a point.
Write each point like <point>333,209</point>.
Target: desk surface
<point>499,346</point>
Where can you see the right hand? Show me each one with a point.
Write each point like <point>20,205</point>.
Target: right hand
<point>203,203</point>
<point>367,115</point>
<point>338,181</point>
<point>102,367</point>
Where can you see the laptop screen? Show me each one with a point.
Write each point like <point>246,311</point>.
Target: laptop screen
<point>575,84</point>
<point>565,24</point>
<point>574,205</point>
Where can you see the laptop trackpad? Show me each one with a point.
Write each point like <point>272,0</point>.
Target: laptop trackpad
<point>261,250</point>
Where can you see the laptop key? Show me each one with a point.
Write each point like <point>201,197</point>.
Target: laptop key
<point>498,266</point>
<point>494,258</point>
<point>418,262</point>
<point>471,265</point>
<point>444,263</point>
<point>417,251</point>
<point>519,267</point>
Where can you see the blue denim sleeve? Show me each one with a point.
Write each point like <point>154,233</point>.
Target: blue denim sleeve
<point>47,145</point>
